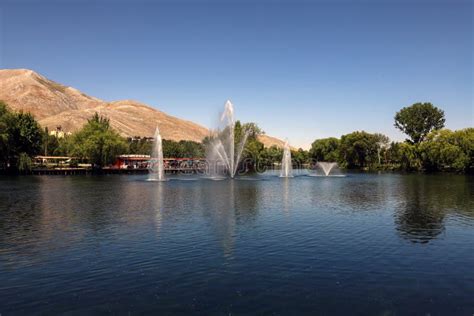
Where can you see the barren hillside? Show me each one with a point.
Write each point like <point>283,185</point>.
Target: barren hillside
<point>54,104</point>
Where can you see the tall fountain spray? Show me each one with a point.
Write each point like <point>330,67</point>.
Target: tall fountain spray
<point>157,171</point>
<point>286,165</point>
<point>223,149</point>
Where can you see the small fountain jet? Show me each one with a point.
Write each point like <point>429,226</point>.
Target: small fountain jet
<point>156,167</point>
<point>286,165</point>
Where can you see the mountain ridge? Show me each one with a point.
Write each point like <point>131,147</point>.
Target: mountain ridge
<point>54,104</point>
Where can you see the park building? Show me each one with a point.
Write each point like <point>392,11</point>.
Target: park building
<point>59,133</point>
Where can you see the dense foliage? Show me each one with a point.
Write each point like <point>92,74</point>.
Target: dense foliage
<point>51,145</point>
<point>326,149</point>
<point>97,142</point>
<point>183,149</point>
<point>253,149</point>
<point>430,148</point>
<point>445,149</point>
<point>418,120</point>
<point>442,150</point>
<point>20,138</point>
<point>171,148</point>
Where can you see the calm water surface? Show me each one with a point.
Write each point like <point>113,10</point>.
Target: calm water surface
<point>365,244</point>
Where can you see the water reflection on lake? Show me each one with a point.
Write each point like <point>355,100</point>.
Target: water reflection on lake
<point>365,243</point>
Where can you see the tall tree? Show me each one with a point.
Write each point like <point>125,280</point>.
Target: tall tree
<point>383,143</point>
<point>358,149</point>
<point>325,149</point>
<point>20,137</point>
<point>272,155</point>
<point>97,142</point>
<point>299,157</point>
<point>253,149</point>
<point>5,117</point>
<point>445,149</point>
<point>50,143</point>
<point>26,135</point>
<point>418,120</point>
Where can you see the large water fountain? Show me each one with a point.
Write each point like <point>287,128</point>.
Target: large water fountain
<point>225,149</point>
<point>224,152</point>
<point>286,165</point>
<point>156,167</point>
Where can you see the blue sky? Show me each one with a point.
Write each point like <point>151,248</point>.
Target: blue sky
<point>302,70</point>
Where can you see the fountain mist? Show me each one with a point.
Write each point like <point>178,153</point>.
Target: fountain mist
<point>286,165</point>
<point>326,167</point>
<point>157,171</point>
<point>223,150</point>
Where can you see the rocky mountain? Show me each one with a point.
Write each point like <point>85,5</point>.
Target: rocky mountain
<point>269,141</point>
<point>131,118</point>
<point>54,104</point>
<point>26,90</point>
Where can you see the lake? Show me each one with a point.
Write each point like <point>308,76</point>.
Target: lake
<point>365,244</point>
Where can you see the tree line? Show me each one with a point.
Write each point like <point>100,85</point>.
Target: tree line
<point>97,143</point>
<point>429,147</point>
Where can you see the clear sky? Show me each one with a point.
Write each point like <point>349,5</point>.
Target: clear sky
<point>300,69</point>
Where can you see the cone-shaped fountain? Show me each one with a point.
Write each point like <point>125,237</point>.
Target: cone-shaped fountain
<point>223,151</point>
<point>286,165</point>
<point>326,167</point>
<point>156,167</point>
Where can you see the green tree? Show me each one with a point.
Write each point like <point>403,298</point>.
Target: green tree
<point>272,155</point>
<point>299,156</point>
<point>97,142</point>
<point>358,150</point>
<point>252,129</point>
<point>464,138</point>
<point>139,146</point>
<point>25,135</point>
<point>20,137</point>
<point>62,148</point>
<point>382,145</point>
<point>50,144</point>
<point>448,150</point>
<point>5,119</point>
<point>25,163</point>
<point>171,149</point>
<point>190,149</point>
<point>418,120</point>
<point>325,149</point>
<point>253,149</point>
<point>408,157</point>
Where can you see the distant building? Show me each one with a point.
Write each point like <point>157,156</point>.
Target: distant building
<point>132,162</point>
<point>144,162</point>
<point>59,133</point>
<point>140,138</point>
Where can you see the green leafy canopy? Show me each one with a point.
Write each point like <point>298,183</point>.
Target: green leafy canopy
<point>418,120</point>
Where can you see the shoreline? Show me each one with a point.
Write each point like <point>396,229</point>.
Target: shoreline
<point>142,171</point>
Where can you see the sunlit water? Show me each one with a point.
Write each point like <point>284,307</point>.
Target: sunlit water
<point>362,244</point>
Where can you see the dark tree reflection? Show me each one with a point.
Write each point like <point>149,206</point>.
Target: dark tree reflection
<point>424,203</point>
<point>418,222</point>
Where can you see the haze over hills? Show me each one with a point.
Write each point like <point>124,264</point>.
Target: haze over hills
<point>54,104</point>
